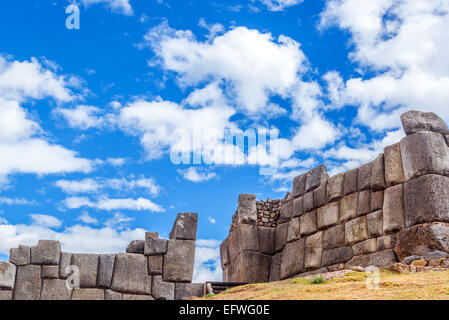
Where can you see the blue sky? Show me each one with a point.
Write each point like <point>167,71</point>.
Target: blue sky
<point>89,116</point>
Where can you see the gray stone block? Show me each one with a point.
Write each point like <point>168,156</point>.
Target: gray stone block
<point>327,216</point>
<point>137,297</point>
<point>348,207</point>
<point>319,195</point>
<point>377,200</point>
<point>47,252</point>
<point>185,227</point>
<point>234,245</point>
<point>386,242</point>
<point>394,173</point>
<point>416,121</point>
<point>299,185</point>
<point>378,173</point>
<point>247,209</point>
<point>28,283</point>
<point>64,263</point>
<point>20,256</point>
<point>375,224</point>
<point>335,187</point>
<point>153,245</point>
<point>308,203</point>
<point>6,295</point>
<point>293,230</point>
<point>88,294</point>
<point>298,207</point>
<point>183,291</point>
<point>393,211</point>
<point>334,237</point>
<point>315,177</point>
<point>336,256</point>
<point>275,269</point>
<point>286,212</point>
<point>105,270</point>
<point>155,265</point>
<point>112,295</point>
<point>281,236</point>
<point>365,247</point>
<point>55,289</point>
<point>350,183</point>
<point>364,204</point>
<point>131,274</point>
<point>136,246</point>
<point>313,251</point>
<point>88,267</point>
<point>178,262</point>
<point>7,275</point>
<point>364,177</point>
<point>253,267</point>
<point>307,223</point>
<point>356,230</point>
<point>266,239</point>
<point>50,272</point>
<point>249,237</point>
<point>224,254</point>
<point>382,258</point>
<point>292,259</point>
<point>162,290</point>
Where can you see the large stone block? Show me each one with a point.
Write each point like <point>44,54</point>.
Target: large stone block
<point>55,289</point>
<point>365,247</point>
<point>275,269</point>
<point>247,209</point>
<point>394,173</point>
<point>266,239</point>
<point>286,212</point>
<point>350,183</point>
<point>319,195</point>
<point>386,242</point>
<point>315,177</point>
<point>183,291</point>
<point>421,239</point>
<point>64,264</point>
<point>307,223</point>
<point>313,251</point>
<point>131,273</point>
<point>50,272</point>
<point>378,173</point>
<point>336,256</point>
<point>178,262</point>
<point>299,185</point>
<point>308,204</point>
<point>88,267</point>
<point>28,283</point>
<point>292,259</point>
<point>224,254</point>
<point>298,208</point>
<point>348,207</point>
<point>136,246</point>
<point>375,224</point>
<point>88,294</point>
<point>234,245</point>
<point>155,265</point>
<point>334,237</point>
<point>6,295</point>
<point>364,177</point>
<point>377,200</point>
<point>143,297</point>
<point>393,211</point>
<point>293,230</point>
<point>281,236</point>
<point>364,204</point>
<point>253,267</point>
<point>249,237</point>
<point>20,256</point>
<point>335,187</point>
<point>7,275</point>
<point>154,245</point>
<point>426,199</point>
<point>424,153</point>
<point>185,226</point>
<point>162,290</point>
<point>415,121</point>
<point>112,295</point>
<point>105,270</point>
<point>327,216</point>
<point>356,230</point>
<point>382,259</point>
<point>47,252</point>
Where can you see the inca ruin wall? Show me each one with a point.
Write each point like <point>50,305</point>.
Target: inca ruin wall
<point>393,207</point>
<point>151,269</point>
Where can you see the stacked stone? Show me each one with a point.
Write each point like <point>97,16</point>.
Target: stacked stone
<point>234,223</point>
<point>151,269</point>
<point>268,212</point>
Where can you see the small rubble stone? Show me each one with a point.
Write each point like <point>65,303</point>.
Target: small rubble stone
<point>408,260</point>
<point>400,268</point>
<point>419,263</point>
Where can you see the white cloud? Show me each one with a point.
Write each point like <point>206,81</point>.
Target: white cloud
<point>315,134</point>
<point>116,162</point>
<point>83,186</point>
<point>120,6</point>
<point>212,220</point>
<point>82,116</point>
<point>207,261</point>
<point>194,174</point>
<point>44,220</point>
<point>86,218</point>
<point>280,5</point>
<point>105,203</point>
<point>16,201</point>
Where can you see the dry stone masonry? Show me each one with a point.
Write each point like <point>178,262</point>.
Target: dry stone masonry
<point>388,210</point>
<point>151,269</point>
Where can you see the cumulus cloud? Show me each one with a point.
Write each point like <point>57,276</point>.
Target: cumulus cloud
<point>108,204</point>
<point>82,186</point>
<point>16,201</point>
<point>86,218</point>
<point>46,220</point>
<point>82,116</point>
<point>279,5</point>
<point>194,174</point>
<point>119,6</point>
<point>207,261</point>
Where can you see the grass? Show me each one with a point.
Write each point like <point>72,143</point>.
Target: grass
<point>393,286</point>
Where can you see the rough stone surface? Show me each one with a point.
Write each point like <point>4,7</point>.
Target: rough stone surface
<point>393,211</point>
<point>335,187</point>
<point>337,255</point>
<point>64,264</point>
<point>88,267</point>
<point>365,247</point>
<point>253,267</point>
<point>50,272</point>
<point>153,245</point>
<point>419,263</point>
<point>334,237</point>
<point>378,174</point>
<point>426,199</point>
<point>386,242</point>
<point>7,275</point>
<point>308,223</point>
<point>356,230</point>
<point>382,258</point>
<point>247,210</point>
<point>375,224</point>
<point>416,121</point>
<point>266,239</point>
<point>308,203</point>
<point>315,177</point>
<point>313,251</point>
<point>136,246</point>
<point>88,294</point>
<point>20,256</point>
<point>286,212</point>
<point>6,295</point>
<point>299,185</point>
<point>112,295</point>
<point>137,297</point>
<point>327,215</point>
<point>281,236</point>
<point>234,245</point>
<point>348,207</point>
<point>249,237</point>
<point>364,205</point>
<point>179,250</point>
<point>293,230</point>
<point>400,268</point>
<point>275,269</point>
<point>410,259</point>
<point>131,274</point>
<point>394,174</point>
<point>28,283</point>
<point>364,177</point>
<point>292,259</point>
<point>55,289</point>
<point>319,195</point>
<point>105,270</point>
<point>350,183</point>
<point>155,264</point>
<point>47,252</point>
<point>377,200</point>
<point>185,226</point>
<point>162,290</point>
<point>298,208</point>
<point>224,254</point>
<point>183,291</point>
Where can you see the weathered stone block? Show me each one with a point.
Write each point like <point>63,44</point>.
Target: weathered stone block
<point>131,273</point>
<point>292,259</point>
<point>382,258</point>
<point>105,270</point>
<point>153,245</point>
<point>286,212</point>
<point>364,204</point>
<point>416,121</point>
<point>234,245</point>
<point>299,185</point>
<point>275,269</point>
<point>334,237</point>
<point>348,207</point>
<point>307,223</point>
<point>315,177</point>
<point>28,283</point>
<point>47,252</point>
<point>327,216</point>
<point>298,208</point>
<point>55,289</point>
<point>365,247</point>
<point>178,262</point>
<point>224,254</point>
<point>50,272</point>
<point>247,209</point>
<point>426,199</point>
<point>375,224</point>
<point>308,203</point>
<point>394,173</point>
<point>281,236</point>
<point>350,184</point>
<point>7,275</point>
<point>253,267</point>
<point>337,255</point>
<point>112,295</point>
<point>185,226</point>
<point>88,267</point>
<point>266,239</point>
<point>137,297</point>
<point>364,177</point>
<point>319,195</point>
<point>183,291</point>
<point>293,230</point>
<point>136,246</point>
<point>88,294</point>
<point>64,264</point>
<point>377,200</point>
<point>20,256</point>
<point>356,230</point>
<point>386,242</point>
<point>6,295</point>
<point>424,153</point>
<point>162,290</point>
<point>249,237</point>
<point>313,251</point>
<point>393,211</point>
<point>335,187</point>
<point>155,265</point>
<point>378,173</point>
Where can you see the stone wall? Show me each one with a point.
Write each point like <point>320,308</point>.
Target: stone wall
<point>392,207</point>
<point>151,269</point>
